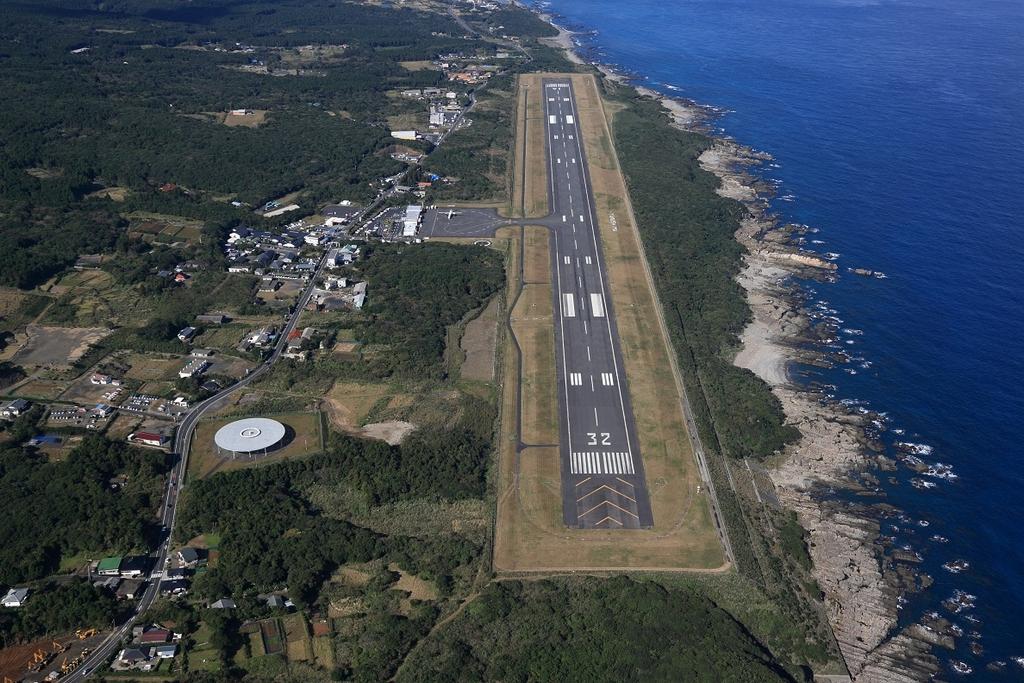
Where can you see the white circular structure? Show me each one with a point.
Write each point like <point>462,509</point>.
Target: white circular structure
<point>251,436</point>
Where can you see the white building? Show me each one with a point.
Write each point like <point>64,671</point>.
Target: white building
<point>411,222</point>
<point>404,134</point>
<point>194,367</point>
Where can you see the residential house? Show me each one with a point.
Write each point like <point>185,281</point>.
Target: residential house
<point>165,651</point>
<point>186,334</point>
<point>188,557</point>
<point>131,656</point>
<point>130,589</point>
<point>155,636</point>
<point>224,603</point>
<point>14,408</point>
<point>15,597</point>
<point>148,439</point>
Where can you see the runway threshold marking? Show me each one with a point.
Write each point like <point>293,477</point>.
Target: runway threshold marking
<point>608,502</point>
<point>606,486</point>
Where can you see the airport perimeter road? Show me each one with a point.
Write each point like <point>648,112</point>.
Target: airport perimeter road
<point>603,484</point>
<point>176,482</point>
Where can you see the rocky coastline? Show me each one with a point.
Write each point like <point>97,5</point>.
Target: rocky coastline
<point>862,578</point>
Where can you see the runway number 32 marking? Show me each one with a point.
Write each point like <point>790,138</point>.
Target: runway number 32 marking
<point>605,439</point>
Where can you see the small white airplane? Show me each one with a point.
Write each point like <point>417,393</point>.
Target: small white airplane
<point>453,212</point>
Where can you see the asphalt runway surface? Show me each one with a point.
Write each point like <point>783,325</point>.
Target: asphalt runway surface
<point>603,484</point>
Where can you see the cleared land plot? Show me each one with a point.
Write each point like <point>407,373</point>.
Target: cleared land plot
<point>304,434</point>
<point>203,656</point>
<point>253,118</point>
<point>221,337</point>
<point>530,534</point>
<point>116,194</point>
<point>417,588</point>
<point>18,308</point>
<point>40,388</point>
<point>300,646</point>
<point>418,65</point>
<point>91,298</point>
<point>166,228</point>
<point>348,404</point>
<point>145,367</point>
<point>57,346</point>
<point>478,344</point>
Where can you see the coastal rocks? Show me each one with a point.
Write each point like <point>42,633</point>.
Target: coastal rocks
<point>802,259</point>
<point>865,272</point>
<point>861,593</point>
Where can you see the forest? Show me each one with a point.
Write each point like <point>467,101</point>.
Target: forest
<point>59,608</point>
<point>132,108</point>
<point>57,509</point>
<point>694,266</point>
<point>591,629</point>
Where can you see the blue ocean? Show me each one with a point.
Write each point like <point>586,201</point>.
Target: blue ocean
<point>897,129</point>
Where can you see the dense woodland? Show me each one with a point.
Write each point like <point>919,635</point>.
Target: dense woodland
<point>57,509</point>
<point>60,608</point>
<point>134,111</point>
<point>587,630</point>
<point>693,263</point>
<point>694,266</point>
<point>274,537</point>
<point>416,292</point>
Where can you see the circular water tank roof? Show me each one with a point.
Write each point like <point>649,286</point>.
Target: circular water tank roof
<point>249,435</point>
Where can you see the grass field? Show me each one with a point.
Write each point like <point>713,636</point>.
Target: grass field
<point>418,65</point>
<point>305,434</point>
<point>166,228</point>
<point>91,298</point>
<point>534,187</point>
<point>530,535</point>
<point>478,344</point>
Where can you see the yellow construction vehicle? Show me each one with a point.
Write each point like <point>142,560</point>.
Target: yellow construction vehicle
<point>84,633</point>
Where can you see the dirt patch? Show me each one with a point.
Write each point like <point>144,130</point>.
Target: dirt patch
<point>418,65</point>
<point>351,575</point>
<point>344,348</point>
<point>252,118</point>
<point>117,194</point>
<point>478,342</point>
<point>417,588</point>
<point>348,404</point>
<point>57,346</point>
<point>392,432</point>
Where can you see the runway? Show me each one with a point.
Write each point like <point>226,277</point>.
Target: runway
<point>602,472</point>
<point>603,484</point>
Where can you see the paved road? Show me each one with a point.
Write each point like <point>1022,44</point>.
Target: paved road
<point>176,482</point>
<point>603,483</point>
